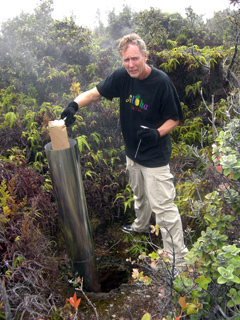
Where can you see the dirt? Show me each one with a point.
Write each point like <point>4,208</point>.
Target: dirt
<point>121,298</point>
<point>129,301</point>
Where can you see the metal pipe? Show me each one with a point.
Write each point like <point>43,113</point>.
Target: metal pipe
<point>65,170</point>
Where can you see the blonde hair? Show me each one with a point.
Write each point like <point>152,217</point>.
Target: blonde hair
<point>132,38</point>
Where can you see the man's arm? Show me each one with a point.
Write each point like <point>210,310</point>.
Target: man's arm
<point>87,97</point>
<point>82,100</point>
<point>168,126</point>
<point>156,134</point>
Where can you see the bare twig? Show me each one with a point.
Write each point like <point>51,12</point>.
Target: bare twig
<point>198,60</point>
<point>224,315</point>
<point>88,300</point>
<point>8,315</point>
<point>212,113</point>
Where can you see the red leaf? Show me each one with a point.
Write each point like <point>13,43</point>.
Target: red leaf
<point>183,303</point>
<point>74,301</point>
<point>219,169</point>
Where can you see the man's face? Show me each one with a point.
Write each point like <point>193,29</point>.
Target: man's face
<point>135,62</point>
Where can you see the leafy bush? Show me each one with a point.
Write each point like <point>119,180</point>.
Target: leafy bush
<point>28,222</point>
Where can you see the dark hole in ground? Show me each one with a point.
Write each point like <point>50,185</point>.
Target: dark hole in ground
<point>112,279</point>
<point>113,273</point>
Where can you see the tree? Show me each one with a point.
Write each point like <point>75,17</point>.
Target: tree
<point>121,24</point>
<point>43,53</point>
<point>194,20</point>
<point>23,38</point>
<point>221,26</point>
<point>150,27</point>
<point>235,2</point>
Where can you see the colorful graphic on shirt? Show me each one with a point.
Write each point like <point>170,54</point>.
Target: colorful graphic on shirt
<point>137,103</point>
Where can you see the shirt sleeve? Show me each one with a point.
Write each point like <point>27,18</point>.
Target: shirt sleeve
<point>171,107</point>
<point>111,86</point>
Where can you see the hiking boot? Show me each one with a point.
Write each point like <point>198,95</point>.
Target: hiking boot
<point>128,229</point>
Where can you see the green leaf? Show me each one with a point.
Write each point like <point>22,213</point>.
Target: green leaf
<point>221,280</point>
<point>230,304</point>
<point>236,279</point>
<point>203,282</point>
<point>227,171</point>
<point>232,249</point>
<point>191,309</point>
<point>226,272</point>
<point>154,256</point>
<point>234,296</point>
<point>236,176</point>
<point>227,275</point>
<point>147,316</point>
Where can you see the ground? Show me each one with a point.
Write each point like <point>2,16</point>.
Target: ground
<point>122,298</point>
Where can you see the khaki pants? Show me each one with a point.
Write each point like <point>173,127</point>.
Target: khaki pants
<point>154,191</point>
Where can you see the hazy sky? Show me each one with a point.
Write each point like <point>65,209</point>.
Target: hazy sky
<point>84,11</point>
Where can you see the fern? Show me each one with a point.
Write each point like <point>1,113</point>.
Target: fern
<point>11,207</point>
<point>96,137</point>
<point>113,160</point>
<point>29,118</point>
<point>97,156</point>
<point>75,89</point>
<point>112,152</point>
<point>170,65</point>
<point>92,69</point>
<point>10,119</point>
<point>57,110</point>
<point>90,174</point>
<point>194,88</point>
<point>4,194</point>
<point>127,197</point>
<point>82,141</point>
<point>212,63</point>
<point>201,59</point>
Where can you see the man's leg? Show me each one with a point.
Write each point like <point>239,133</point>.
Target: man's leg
<point>141,203</point>
<point>161,194</point>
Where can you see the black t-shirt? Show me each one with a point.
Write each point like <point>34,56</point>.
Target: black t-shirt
<point>148,102</point>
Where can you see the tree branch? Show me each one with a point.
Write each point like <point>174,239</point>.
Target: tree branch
<point>233,57</point>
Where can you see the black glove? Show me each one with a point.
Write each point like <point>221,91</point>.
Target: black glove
<point>69,113</point>
<point>148,135</point>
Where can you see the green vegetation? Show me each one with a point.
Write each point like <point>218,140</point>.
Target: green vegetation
<point>45,64</point>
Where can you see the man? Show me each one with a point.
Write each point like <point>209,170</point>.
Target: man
<point>149,111</point>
